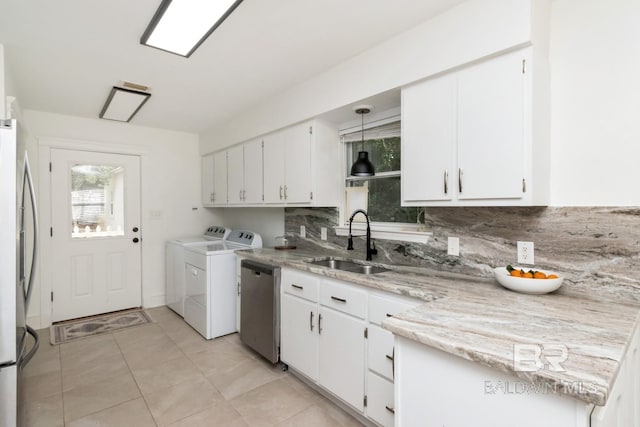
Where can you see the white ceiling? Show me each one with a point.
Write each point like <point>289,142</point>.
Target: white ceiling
<point>64,56</point>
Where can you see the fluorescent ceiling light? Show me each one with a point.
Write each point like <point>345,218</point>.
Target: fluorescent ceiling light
<point>180,26</point>
<point>122,104</point>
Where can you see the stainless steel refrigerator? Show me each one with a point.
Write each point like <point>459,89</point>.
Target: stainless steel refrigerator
<point>18,234</point>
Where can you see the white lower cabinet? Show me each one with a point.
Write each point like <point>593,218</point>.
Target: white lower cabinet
<point>331,332</point>
<point>298,334</point>
<point>342,356</point>
<point>380,400</point>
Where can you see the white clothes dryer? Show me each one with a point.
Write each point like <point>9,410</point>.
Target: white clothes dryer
<point>175,266</point>
<point>210,279</point>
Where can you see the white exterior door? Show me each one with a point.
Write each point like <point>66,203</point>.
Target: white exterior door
<point>95,210</point>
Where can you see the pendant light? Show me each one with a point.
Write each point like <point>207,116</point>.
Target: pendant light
<point>363,166</point>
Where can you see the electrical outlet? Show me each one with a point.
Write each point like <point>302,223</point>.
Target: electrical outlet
<point>525,253</point>
<point>453,246</point>
<point>303,231</point>
<point>323,233</point>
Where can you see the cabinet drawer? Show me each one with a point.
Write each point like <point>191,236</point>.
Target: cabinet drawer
<point>381,307</point>
<point>380,354</point>
<point>345,298</point>
<point>380,400</point>
<point>300,284</point>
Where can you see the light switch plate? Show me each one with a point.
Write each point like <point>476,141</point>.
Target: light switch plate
<point>525,253</point>
<point>453,246</point>
<point>303,231</point>
<point>323,233</point>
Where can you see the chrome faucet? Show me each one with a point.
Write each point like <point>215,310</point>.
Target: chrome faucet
<point>370,250</point>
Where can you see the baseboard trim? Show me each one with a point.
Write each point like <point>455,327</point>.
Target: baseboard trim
<point>150,301</point>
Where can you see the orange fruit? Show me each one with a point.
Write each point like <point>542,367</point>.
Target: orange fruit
<point>539,275</point>
<point>516,273</point>
<point>528,275</point>
<point>552,276</point>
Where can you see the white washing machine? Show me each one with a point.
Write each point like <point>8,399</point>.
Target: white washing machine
<point>210,278</point>
<point>174,264</point>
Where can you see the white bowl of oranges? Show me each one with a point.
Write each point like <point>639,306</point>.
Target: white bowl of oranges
<point>527,280</point>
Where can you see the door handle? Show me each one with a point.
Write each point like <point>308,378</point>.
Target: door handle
<point>136,240</point>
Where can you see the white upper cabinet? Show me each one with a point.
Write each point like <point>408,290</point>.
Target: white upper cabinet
<point>253,172</point>
<point>235,174</point>
<point>274,148</point>
<point>429,140</point>
<point>491,131</point>
<point>220,178</point>
<point>467,137</point>
<point>299,165</point>
<point>207,172</point>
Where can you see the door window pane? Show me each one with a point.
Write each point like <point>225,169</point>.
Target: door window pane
<point>97,201</point>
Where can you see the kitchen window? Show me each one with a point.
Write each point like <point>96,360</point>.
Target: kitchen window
<point>378,195</point>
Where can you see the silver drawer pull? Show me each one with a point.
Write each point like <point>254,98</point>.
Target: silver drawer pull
<point>390,409</point>
<point>311,321</point>
<point>338,299</point>
<point>389,315</point>
<point>319,324</point>
<point>297,287</point>
<point>389,357</point>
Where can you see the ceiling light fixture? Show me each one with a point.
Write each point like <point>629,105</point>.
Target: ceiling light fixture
<point>181,26</point>
<point>363,166</point>
<point>122,104</point>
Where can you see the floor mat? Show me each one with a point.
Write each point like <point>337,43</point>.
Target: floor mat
<point>88,326</point>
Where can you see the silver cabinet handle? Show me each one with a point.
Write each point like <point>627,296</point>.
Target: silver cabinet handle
<point>390,409</point>
<point>446,181</point>
<point>281,192</point>
<point>297,286</point>
<point>240,194</point>
<point>338,299</point>
<point>459,180</point>
<point>285,192</point>
<point>238,288</point>
<point>213,197</point>
<point>311,321</point>
<point>319,324</point>
<point>244,195</point>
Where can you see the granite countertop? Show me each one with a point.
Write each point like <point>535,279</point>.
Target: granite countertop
<point>478,320</point>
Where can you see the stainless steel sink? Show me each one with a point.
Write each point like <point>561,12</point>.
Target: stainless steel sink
<point>347,265</point>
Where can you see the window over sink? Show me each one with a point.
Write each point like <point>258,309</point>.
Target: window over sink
<point>379,195</point>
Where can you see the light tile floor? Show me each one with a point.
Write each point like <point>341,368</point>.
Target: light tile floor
<point>165,374</point>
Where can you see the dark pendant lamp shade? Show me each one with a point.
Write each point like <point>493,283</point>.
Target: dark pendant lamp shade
<point>363,166</point>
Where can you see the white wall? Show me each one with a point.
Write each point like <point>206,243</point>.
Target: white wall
<point>170,184</point>
<point>595,102</point>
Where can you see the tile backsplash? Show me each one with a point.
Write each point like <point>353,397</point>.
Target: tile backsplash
<point>596,248</point>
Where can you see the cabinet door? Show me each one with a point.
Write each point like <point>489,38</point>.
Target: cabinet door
<point>380,400</point>
<point>429,140</point>
<point>235,174</point>
<point>253,172</point>
<point>220,178</point>
<point>380,354</point>
<point>341,360</point>
<point>298,164</point>
<point>491,137</point>
<point>273,156</point>
<point>207,179</point>
<point>298,335</point>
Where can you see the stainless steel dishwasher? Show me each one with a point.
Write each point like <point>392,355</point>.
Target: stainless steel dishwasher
<point>260,308</point>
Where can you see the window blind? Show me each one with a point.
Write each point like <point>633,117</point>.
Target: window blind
<point>390,130</point>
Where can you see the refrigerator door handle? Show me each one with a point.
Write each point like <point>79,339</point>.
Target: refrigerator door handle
<point>28,180</point>
<point>27,357</point>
